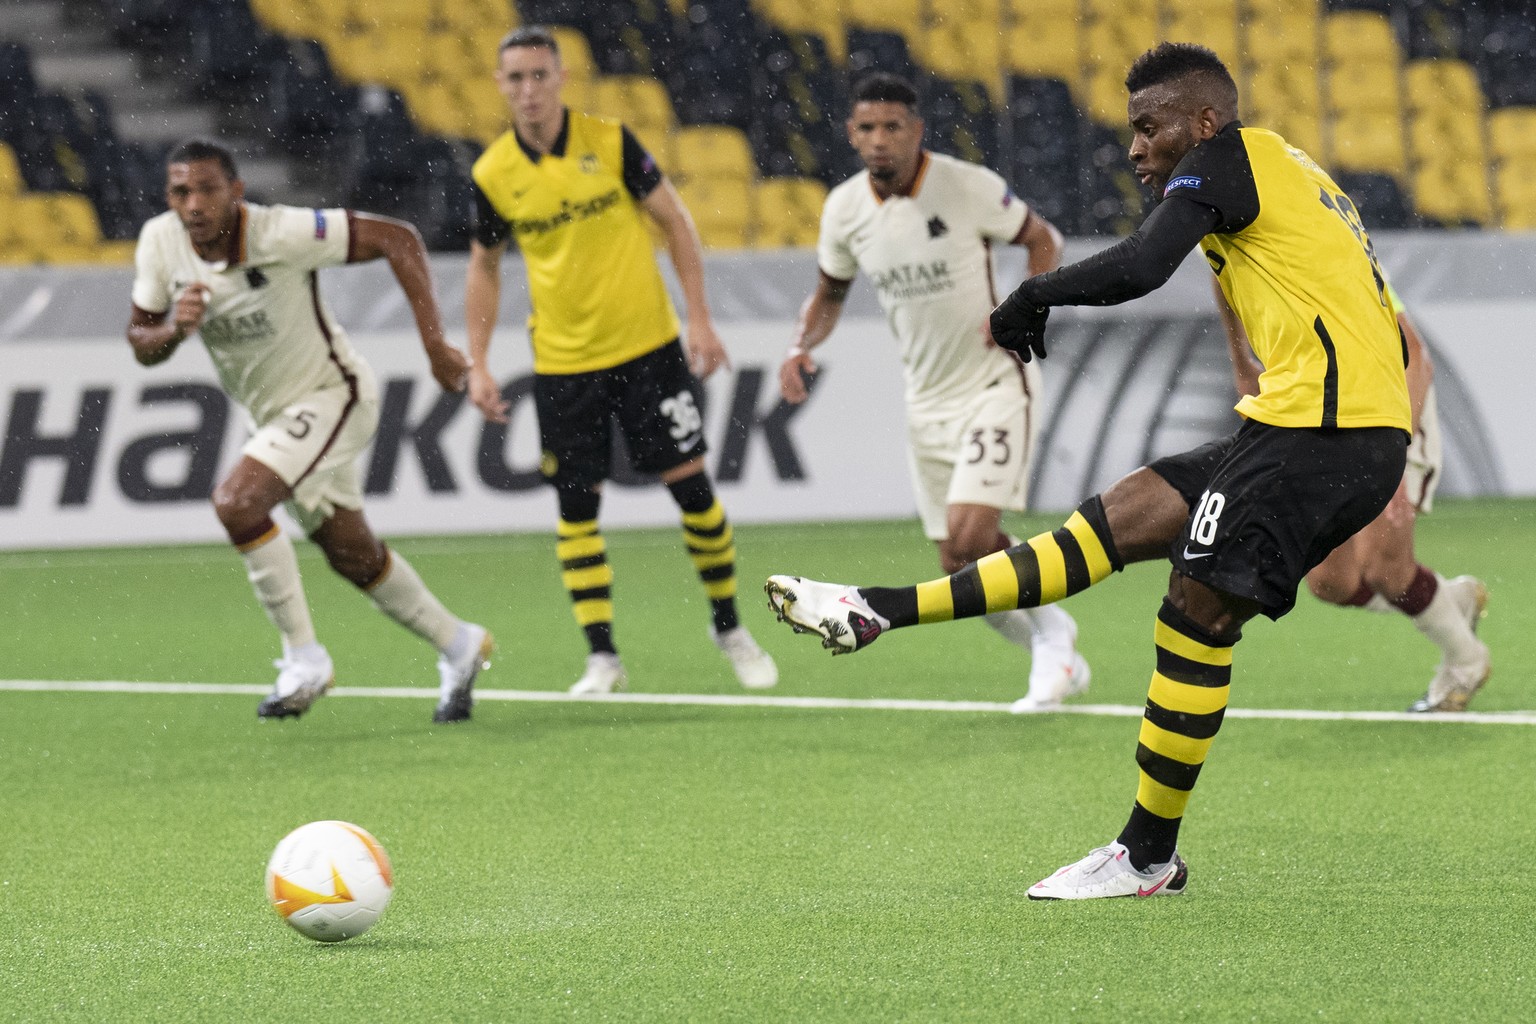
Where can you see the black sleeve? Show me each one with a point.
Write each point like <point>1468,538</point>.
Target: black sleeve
<point>1128,269</point>
<point>490,228</point>
<point>641,175</point>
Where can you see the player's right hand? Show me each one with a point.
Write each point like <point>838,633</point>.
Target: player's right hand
<point>797,366</point>
<point>486,396</point>
<point>1019,326</point>
<point>190,308</point>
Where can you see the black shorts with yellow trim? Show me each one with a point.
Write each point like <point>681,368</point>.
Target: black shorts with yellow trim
<point>1269,503</point>
<point>653,403</point>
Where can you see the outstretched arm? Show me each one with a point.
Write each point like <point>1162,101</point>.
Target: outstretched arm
<point>1127,270</point>
<point>706,353</point>
<point>1245,366</point>
<point>400,243</point>
<point>818,316</point>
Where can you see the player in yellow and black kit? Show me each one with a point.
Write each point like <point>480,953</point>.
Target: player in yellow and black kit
<point>575,192</point>
<point>1241,519</point>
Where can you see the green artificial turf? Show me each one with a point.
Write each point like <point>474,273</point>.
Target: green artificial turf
<point>603,861</point>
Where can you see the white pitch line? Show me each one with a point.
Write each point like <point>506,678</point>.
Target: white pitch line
<point>764,701</point>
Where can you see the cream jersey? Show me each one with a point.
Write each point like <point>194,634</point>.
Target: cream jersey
<point>929,257</point>
<point>269,334</point>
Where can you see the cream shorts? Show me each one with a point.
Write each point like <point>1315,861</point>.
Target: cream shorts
<point>979,458</point>
<point>313,446</point>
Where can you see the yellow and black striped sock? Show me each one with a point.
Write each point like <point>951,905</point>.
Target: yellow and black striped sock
<point>1185,705</point>
<point>588,578</point>
<point>1042,570</point>
<point>712,548</point>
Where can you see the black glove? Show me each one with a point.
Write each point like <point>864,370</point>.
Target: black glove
<point>1019,326</point>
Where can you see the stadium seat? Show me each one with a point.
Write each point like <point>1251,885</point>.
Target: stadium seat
<point>1512,134</point>
<point>1452,194</point>
<point>788,212</point>
<point>11,183</point>
<point>575,55</point>
<point>1212,26</point>
<point>1366,141</point>
<point>722,210</point>
<point>1430,84</point>
<point>712,151</point>
<point>1364,87</point>
<point>640,102</point>
<point>959,51</point>
<point>808,17</point>
<point>1379,198</point>
<point>1515,188</point>
<point>901,16</point>
<point>1359,36</point>
<point>1044,44</point>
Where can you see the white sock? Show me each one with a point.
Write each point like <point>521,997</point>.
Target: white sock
<point>1026,627</point>
<point>273,570</point>
<point>400,594</point>
<point>1443,622</point>
<point>1379,604</point>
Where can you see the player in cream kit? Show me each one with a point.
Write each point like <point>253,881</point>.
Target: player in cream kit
<point>921,226</point>
<point>243,277</point>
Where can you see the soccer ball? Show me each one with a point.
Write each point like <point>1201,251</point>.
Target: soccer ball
<point>330,880</point>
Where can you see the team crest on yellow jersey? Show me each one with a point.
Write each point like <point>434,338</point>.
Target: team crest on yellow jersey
<point>589,164</point>
<point>548,464</point>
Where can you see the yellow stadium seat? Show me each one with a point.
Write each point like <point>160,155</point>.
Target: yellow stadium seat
<point>575,54</point>
<point>50,227</point>
<point>1366,142</point>
<point>1044,45</point>
<point>788,212</point>
<point>1131,10</point>
<point>1515,187</point>
<point>1512,133</point>
<point>1350,36</point>
<point>1216,30</point>
<point>640,102</point>
<point>1452,193</point>
<point>809,16</point>
<point>960,51</point>
<point>721,209</point>
<point>1364,86</point>
<point>1280,87</point>
<point>1117,40</point>
<point>1446,135</point>
<point>903,16</point>
<point>293,18</point>
<point>712,151</point>
<point>114,251</point>
<point>11,182</point>
<point>1105,96</point>
<point>1428,84</point>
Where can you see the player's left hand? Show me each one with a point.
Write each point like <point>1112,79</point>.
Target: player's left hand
<point>450,367</point>
<point>1019,326</point>
<point>706,353</point>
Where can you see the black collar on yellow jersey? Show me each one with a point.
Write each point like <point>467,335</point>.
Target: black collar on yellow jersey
<point>558,148</point>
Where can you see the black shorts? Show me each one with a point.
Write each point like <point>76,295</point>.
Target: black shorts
<point>1267,504</point>
<point>654,402</point>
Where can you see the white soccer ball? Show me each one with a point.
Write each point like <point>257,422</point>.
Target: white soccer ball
<point>330,880</point>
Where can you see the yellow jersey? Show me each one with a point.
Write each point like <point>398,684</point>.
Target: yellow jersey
<point>1296,264</point>
<point>596,293</point>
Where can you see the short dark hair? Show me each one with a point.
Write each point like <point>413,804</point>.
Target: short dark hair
<point>201,149</point>
<point>1166,62</point>
<point>884,87</point>
<point>530,35</point>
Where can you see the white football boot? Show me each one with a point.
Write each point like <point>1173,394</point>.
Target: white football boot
<point>605,673</point>
<point>300,682</point>
<point>838,613</point>
<point>754,667</point>
<point>456,690</point>
<point>1457,681</point>
<point>1107,872</point>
